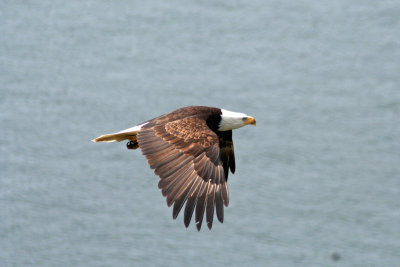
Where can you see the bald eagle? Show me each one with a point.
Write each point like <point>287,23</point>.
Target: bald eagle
<point>191,150</point>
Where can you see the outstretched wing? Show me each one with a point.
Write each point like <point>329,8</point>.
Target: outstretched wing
<point>185,154</point>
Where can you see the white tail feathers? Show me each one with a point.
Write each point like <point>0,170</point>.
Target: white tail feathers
<point>130,134</point>
<point>117,137</point>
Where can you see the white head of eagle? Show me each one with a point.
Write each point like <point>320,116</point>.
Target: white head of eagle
<point>232,120</point>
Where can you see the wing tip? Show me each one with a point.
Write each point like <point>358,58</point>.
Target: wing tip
<point>186,223</point>
<point>198,226</point>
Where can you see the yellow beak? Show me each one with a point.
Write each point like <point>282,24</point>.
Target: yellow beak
<point>250,120</point>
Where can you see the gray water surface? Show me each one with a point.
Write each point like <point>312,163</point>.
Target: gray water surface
<point>317,180</point>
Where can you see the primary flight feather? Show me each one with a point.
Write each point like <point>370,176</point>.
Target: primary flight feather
<point>191,150</point>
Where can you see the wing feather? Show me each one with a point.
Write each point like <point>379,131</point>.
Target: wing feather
<point>186,155</point>
<point>180,188</point>
<point>219,204</point>
<point>191,203</point>
<point>155,161</point>
<point>184,196</point>
<point>168,183</point>
<point>210,205</point>
<point>201,204</point>
<point>178,180</point>
<point>225,194</point>
<point>165,170</point>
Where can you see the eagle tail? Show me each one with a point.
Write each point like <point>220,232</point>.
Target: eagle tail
<point>117,137</point>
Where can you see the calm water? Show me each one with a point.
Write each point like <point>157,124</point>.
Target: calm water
<point>317,181</point>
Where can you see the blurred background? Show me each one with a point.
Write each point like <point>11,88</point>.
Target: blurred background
<point>317,180</point>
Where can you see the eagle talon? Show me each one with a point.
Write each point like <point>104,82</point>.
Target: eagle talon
<point>132,145</point>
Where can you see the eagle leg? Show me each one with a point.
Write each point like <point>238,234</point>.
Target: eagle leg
<point>132,145</point>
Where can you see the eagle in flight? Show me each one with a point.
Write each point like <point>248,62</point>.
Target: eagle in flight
<point>191,150</point>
